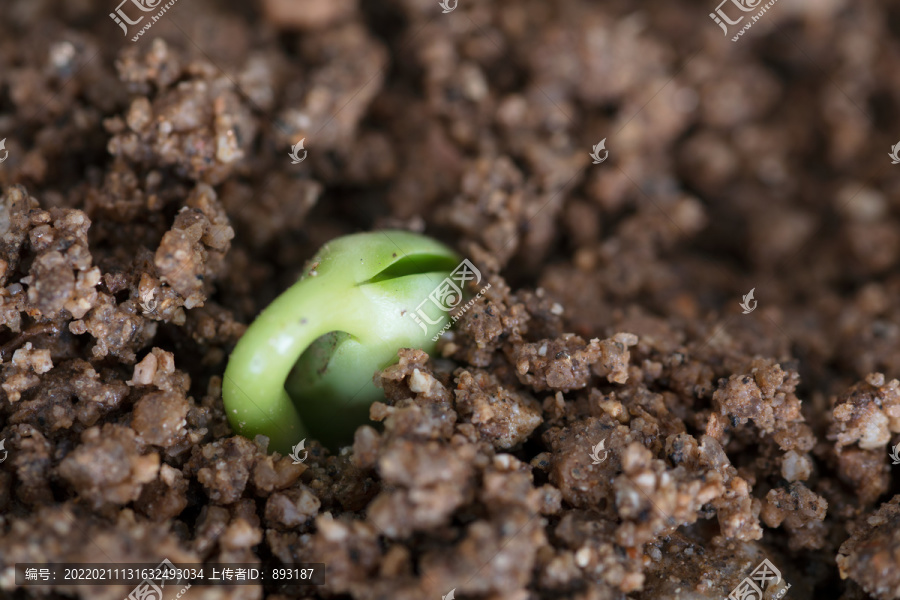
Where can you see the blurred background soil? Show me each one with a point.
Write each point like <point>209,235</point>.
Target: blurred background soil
<point>150,209</point>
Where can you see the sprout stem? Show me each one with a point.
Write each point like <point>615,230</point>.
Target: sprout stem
<point>308,359</point>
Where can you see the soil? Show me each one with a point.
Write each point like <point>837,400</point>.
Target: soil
<point>149,209</point>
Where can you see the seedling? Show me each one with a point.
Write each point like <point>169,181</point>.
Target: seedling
<point>304,367</point>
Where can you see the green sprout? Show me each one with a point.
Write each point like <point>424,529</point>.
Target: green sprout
<point>305,365</point>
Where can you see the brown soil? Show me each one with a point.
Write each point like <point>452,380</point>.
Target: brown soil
<point>149,210</point>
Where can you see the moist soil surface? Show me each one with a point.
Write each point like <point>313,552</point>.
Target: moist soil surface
<point>686,362</point>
